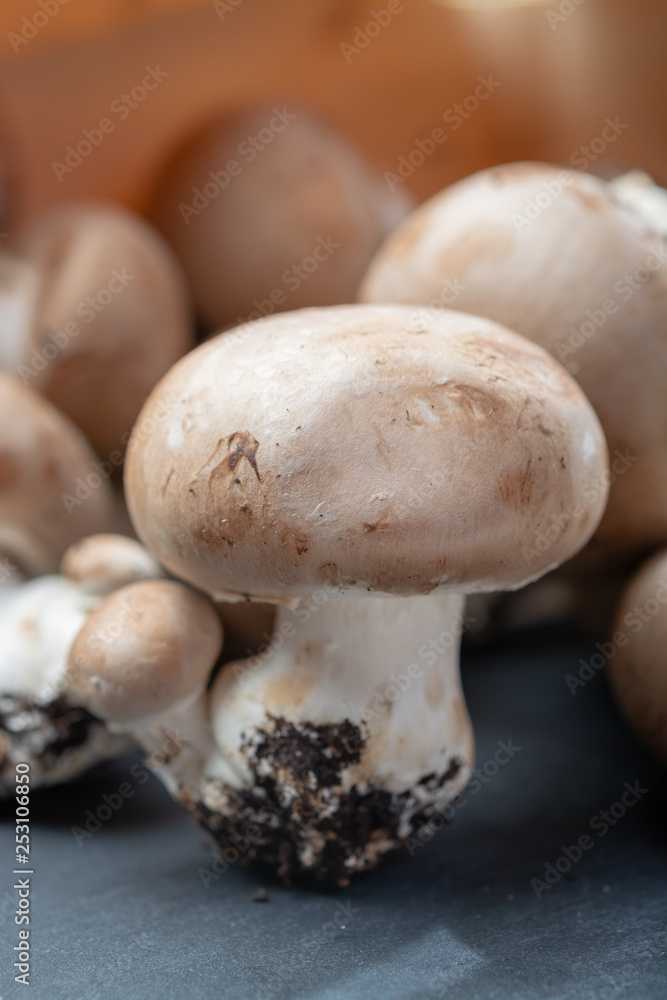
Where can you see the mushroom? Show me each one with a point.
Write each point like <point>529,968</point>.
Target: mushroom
<point>555,256</point>
<point>361,474</point>
<point>51,492</point>
<point>103,563</point>
<point>636,654</point>
<point>40,721</point>
<point>94,310</point>
<point>270,209</point>
<point>142,661</point>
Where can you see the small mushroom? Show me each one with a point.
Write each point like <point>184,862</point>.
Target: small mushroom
<point>94,310</point>
<point>142,661</point>
<point>101,564</point>
<point>362,475</point>
<point>51,493</point>
<point>41,721</point>
<point>270,209</point>
<point>637,654</point>
<point>570,262</point>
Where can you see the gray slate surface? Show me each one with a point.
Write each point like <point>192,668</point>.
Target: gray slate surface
<point>125,915</point>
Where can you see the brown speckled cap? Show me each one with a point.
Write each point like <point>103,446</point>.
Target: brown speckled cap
<point>356,449</point>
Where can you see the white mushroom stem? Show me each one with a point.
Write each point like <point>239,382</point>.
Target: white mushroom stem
<point>389,666</point>
<point>177,745</point>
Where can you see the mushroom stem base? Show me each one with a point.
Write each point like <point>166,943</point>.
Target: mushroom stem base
<point>326,837</point>
<point>339,743</point>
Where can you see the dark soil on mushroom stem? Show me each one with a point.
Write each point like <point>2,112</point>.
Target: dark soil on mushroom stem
<point>298,818</point>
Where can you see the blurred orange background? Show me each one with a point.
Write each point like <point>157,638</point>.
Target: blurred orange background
<point>560,69</point>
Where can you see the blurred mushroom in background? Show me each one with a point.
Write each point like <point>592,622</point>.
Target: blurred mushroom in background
<point>579,266</point>
<point>637,654</point>
<point>269,209</point>
<point>51,493</point>
<point>94,310</point>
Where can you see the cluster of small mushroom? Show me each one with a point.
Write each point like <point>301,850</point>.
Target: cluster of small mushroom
<point>340,474</point>
<point>39,620</point>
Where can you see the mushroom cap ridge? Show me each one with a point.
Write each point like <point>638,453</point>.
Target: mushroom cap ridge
<point>364,448</point>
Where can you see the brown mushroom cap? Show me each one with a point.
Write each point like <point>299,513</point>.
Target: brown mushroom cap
<point>564,264</point>
<point>50,493</point>
<point>145,649</point>
<point>108,316</point>
<point>362,448</point>
<point>100,564</point>
<point>638,666</point>
<point>297,193</point>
